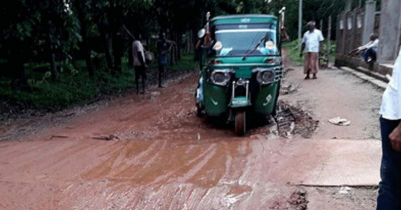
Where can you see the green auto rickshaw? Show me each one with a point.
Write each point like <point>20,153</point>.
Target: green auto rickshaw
<point>242,68</point>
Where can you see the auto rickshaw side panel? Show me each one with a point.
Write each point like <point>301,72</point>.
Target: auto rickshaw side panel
<point>266,99</point>
<point>215,99</point>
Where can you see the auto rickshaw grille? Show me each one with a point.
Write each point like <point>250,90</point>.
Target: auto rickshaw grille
<point>240,91</point>
<point>253,88</point>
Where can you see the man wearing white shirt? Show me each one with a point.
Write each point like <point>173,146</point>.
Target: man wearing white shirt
<point>368,51</point>
<point>390,123</point>
<point>139,64</point>
<point>312,43</point>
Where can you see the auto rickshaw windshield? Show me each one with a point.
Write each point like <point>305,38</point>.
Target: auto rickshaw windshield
<point>238,42</point>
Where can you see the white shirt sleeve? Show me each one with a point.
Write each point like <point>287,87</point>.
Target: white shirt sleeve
<point>391,103</point>
<point>134,48</point>
<point>397,80</point>
<point>321,38</point>
<point>375,43</point>
<point>365,46</point>
<point>139,46</point>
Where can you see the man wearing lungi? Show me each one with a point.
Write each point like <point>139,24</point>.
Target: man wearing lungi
<point>312,43</point>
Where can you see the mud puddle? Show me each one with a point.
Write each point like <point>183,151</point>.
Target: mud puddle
<point>184,124</point>
<point>27,121</point>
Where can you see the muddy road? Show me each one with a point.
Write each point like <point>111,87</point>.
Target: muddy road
<point>152,152</point>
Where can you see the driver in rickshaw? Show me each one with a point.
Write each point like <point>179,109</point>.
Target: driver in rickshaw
<point>268,48</point>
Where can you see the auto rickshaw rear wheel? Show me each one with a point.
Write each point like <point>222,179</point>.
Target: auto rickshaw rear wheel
<point>240,123</point>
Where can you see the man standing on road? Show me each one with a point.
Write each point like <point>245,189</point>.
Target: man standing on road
<point>312,43</point>
<point>162,50</point>
<point>390,124</point>
<point>139,64</point>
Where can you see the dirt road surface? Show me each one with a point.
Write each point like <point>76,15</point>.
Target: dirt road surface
<point>152,152</point>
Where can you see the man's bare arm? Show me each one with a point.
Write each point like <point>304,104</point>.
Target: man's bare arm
<point>395,138</point>
<point>198,45</point>
<point>302,49</point>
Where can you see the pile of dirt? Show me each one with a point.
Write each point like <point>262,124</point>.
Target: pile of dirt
<point>294,120</point>
<point>298,200</point>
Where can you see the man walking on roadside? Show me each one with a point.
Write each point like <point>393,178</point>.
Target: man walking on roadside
<point>390,123</point>
<point>163,46</point>
<point>139,64</point>
<point>312,43</point>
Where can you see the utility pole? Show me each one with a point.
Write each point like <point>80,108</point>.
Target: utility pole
<point>300,25</point>
<point>348,6</point>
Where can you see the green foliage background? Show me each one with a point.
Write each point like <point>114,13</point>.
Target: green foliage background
<point>56,53</point>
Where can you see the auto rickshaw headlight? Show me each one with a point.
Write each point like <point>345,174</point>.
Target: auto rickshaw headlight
<point>265,77</point>
<point>220,77</point>
<point>274,60</point>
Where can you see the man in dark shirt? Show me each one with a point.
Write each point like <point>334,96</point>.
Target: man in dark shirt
<point>163,46</point>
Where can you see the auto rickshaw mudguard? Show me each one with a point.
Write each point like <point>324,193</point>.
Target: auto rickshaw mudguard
<point>266,100</point>
<point>215,99</point>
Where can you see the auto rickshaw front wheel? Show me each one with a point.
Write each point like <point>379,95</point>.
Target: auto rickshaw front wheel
<point>240,123</point>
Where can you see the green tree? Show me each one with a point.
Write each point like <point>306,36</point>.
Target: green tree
<point>58,29</point>
<point>16,41</point>
<point>83,9</point>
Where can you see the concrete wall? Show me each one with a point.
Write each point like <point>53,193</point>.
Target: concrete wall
<point>354,29</point>
<point>369,20</point>
<point>350,29</point>
<point>340,34</point>
<point>389,30</point>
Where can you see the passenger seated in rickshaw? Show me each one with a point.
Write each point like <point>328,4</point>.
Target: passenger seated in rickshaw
<point>267,48</point>
<point>368,51</point>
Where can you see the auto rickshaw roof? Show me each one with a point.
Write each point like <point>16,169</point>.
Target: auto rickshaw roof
<point>255,18</point>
